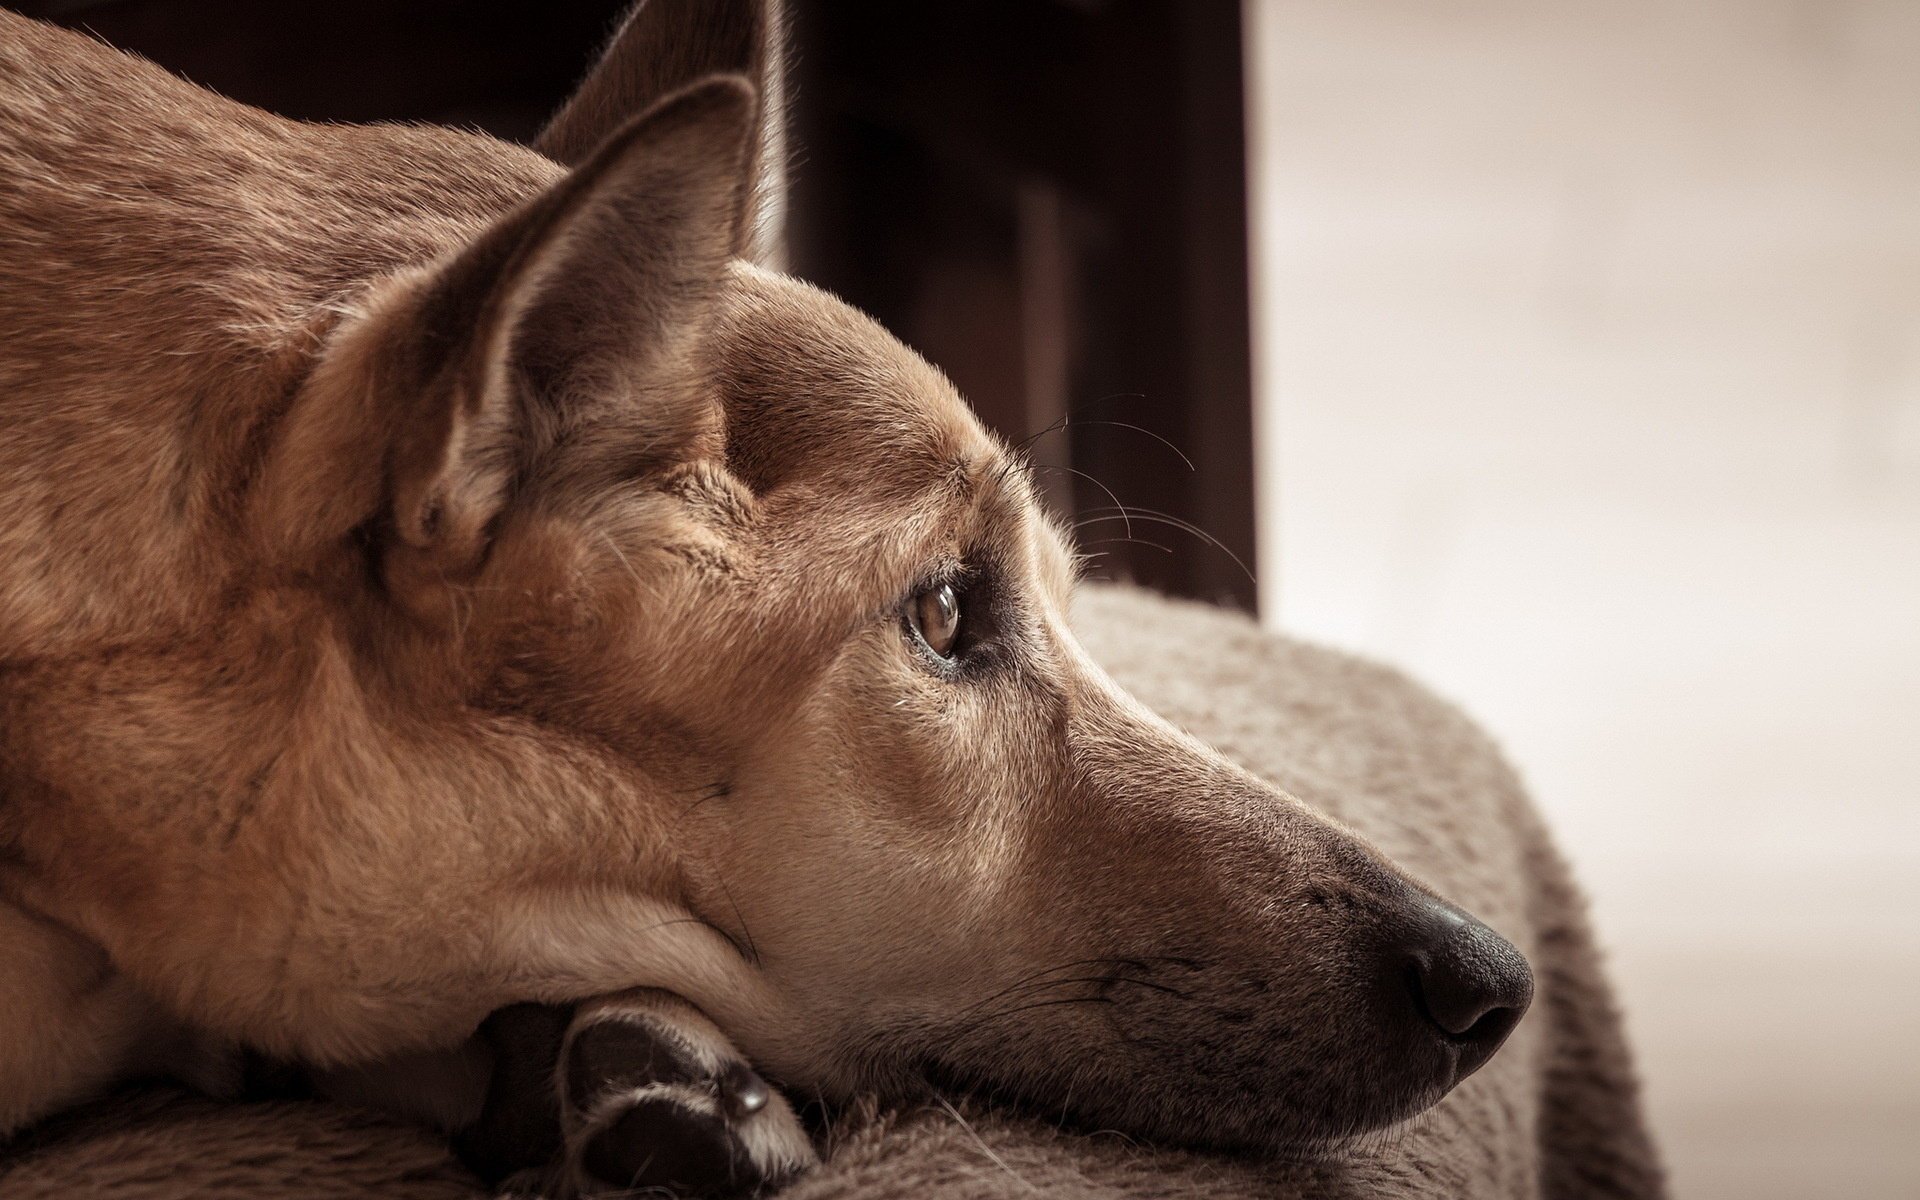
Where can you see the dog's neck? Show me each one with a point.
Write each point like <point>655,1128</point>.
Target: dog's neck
<point>241,756</point>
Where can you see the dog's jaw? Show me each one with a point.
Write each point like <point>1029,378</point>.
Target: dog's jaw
<point>561,945</point>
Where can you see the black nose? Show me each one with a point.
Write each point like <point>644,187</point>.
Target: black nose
<point>1468,982</point>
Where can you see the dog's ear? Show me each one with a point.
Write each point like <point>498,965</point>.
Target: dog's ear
<point>660,47</point>
<point>595,295</point>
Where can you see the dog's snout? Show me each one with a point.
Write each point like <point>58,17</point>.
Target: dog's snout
<point>1467,982</point>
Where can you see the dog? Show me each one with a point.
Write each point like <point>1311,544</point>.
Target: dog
<point>446,582</point>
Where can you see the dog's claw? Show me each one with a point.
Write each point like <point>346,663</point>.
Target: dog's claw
<point>745,1093</point>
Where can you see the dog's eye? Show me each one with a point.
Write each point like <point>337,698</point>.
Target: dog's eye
<point>934,614</point>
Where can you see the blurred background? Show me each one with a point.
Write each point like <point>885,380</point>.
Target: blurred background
<point>1565,354</point>
<point>1589,344</point>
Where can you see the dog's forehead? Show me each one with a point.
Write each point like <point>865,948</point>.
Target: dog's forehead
<point>815,388</point>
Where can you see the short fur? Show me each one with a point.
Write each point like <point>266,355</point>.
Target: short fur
<point>1554,1115</point>
<point>432,579</point>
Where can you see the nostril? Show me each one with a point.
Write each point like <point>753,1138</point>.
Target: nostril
<point>1463,1006</point>
<point>1470,984</point>
<point>1494,1025</point>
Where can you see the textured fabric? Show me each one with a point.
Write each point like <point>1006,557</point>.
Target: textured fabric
<point>1554,1114</point>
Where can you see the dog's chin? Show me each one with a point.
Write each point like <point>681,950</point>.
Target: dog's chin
<point>1231,1122</point>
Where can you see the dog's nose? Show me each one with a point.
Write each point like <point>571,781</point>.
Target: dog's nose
<point>1468,982</point>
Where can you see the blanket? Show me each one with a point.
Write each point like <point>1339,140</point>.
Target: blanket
<point>1555,1114</point>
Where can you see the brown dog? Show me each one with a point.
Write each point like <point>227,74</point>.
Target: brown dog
<point>433,578</point>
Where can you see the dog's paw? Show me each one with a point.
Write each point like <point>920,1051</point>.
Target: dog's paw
<point>653,1096</point>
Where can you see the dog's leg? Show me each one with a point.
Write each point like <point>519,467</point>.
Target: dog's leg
<point>632,1091</point>
<point>74,1026</point>
<point>515,1142</point>
<point>654,1095</point>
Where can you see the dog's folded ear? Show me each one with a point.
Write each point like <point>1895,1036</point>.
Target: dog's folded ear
<point>660,47</point>
<point>430,407</point>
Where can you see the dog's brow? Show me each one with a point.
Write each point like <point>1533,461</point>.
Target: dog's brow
<point>993,487</point>
<point>998,496</point>
<point>1008,469</point>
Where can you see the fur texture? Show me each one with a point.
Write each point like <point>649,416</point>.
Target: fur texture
<point>1555,1115</point>
<point>434,580</point>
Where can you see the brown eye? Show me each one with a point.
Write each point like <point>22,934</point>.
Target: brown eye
<point>935,615</point>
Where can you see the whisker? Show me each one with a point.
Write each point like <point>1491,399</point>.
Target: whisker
<point>1147,514</point>
<point>1136,541</point>
<point>1095,482</point>
<point>716,792</point>
<point>624,560</point>
<point>1035,977</point>
<point>1066,418</point>
<point>1021,448</point>
<point>1122,425</point>
<point>1059,1002</point>
<point>1148,984</point>
<point>982,1143</point>
<point>753,952</point>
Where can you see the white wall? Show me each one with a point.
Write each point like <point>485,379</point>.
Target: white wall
<point>1590,368</point>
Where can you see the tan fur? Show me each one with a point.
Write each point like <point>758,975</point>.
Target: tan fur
<point>1554,1115</point>
<point>75,1024</point>
<point>431,579</point>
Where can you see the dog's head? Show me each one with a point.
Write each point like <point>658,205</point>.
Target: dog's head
<point>621,613</point>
